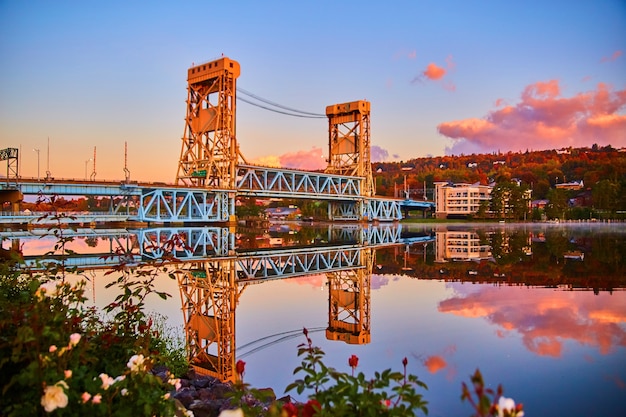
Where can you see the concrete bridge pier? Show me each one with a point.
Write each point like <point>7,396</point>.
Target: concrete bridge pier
<point>12,198</point>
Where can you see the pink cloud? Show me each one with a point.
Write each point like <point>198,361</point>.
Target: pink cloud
<point>613,57</point>
<point>378,154</point>
<point>543,119</point>
<point>433,72</point>
<point>310,160</point>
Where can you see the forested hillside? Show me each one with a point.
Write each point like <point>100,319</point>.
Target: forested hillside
<point>603,167</point>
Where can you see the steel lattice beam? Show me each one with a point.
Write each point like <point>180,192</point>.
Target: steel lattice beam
<point>279,182</point>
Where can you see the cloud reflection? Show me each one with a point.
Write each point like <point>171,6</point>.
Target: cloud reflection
<point>545,318</point>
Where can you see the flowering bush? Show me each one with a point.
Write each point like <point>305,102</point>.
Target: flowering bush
<point>59,356</point>
<point>52,358</point>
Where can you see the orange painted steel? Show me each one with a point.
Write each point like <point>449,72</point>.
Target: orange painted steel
<point>349,142</point>
<point>209,149</point>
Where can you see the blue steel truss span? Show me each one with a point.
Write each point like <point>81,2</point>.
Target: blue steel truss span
<point>273,182</point>
<point>161,203</point>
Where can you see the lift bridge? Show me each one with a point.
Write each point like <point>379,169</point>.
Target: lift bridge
<point>212,171</point>
<point>212,274</point>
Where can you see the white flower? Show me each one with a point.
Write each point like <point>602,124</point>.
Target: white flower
<point>135,363</point>
<point>507,404</point>
<point>54,397</point>
<point>124,392</point>
<point>232,413</point>
<point>189,413</point>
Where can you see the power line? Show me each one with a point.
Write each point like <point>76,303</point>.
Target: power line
<point>291,111</point>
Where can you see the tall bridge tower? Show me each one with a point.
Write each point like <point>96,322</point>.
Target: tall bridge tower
<point>349,142</point>
<point>209,152</point>
<point>209,295</point>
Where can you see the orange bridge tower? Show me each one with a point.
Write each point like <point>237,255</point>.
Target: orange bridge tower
<point>209,152</point>
<point>349,142</point>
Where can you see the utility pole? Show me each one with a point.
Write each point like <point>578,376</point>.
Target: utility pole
<point>86,162</point>
<point>48,175</point>
<point>37,150</point>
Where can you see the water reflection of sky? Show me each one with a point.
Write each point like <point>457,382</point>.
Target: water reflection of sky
<point>560,352</point>
<point>546,319</point>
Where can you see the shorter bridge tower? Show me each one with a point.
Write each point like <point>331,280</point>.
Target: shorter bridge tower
<point>349,302</point>
<point>349,142</point>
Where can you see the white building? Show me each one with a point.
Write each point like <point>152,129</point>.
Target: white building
<point>459,200</point>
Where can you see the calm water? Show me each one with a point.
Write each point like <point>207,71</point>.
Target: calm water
<point>540,309</point>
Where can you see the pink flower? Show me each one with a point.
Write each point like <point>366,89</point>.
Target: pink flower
<point>97,399</point>
<point>74,339</point>
<point>68,373</point>
<point>85,397</point>
<point>54,397</point>
<point>52,348</point>
<point>107,381</point>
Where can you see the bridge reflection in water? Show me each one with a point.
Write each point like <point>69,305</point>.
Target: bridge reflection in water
<point>212,273</point>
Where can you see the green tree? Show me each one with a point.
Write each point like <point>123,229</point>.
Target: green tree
<point>605,195</point>
<point>557,204</point>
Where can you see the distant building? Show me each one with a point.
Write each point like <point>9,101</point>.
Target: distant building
<point>459,200</point>
<point>574,185</point>
<point>539,204</point>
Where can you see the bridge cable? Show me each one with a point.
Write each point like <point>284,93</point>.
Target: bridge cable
<point>292,111</point>
<point>285,336</point>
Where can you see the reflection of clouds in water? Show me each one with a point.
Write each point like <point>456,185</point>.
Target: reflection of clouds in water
<point>319,281</point>
<point>99,244</point>
<point>434,363</point>
<point>545,318</point>
<point>438,362</point>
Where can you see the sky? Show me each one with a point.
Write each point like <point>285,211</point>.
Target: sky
<point>108,79</point>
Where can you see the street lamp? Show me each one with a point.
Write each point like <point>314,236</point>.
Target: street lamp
<point>37,150</point>
<point>86,162</point>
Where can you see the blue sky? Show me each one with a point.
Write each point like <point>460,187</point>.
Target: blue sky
<point>443,77</point>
